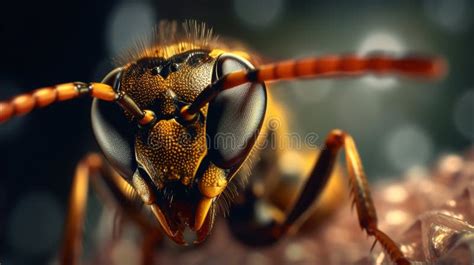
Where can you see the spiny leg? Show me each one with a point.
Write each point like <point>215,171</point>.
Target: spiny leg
<point>359,189</point>
<point>123,197</point>
<point>317,181</point>
<point>72,241</point>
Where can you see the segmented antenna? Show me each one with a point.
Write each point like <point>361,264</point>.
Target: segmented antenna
<point>25,103</point>
<point>320,67</point>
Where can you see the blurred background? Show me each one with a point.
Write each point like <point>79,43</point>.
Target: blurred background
<point>398,124</point>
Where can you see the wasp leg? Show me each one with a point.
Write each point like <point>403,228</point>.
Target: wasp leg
<point>77,202</point>
<point>114,189</point>
<point>359,190</point>
<point>317,181</point>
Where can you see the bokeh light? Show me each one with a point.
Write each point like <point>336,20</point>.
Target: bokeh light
<point>408,146</point>
<point>258,14</point>
<point>396,217</point>
<point>34,226</point>
<point>294,253</point>
<point>395,194</point>
<point>263,213</point>
<point>464,114</point>
<point>256,258</point>
<point>450,165</point>
<point>380,42</point>
<point>127,22</point>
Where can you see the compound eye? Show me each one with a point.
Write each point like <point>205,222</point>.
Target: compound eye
<point>235,116</point>
<point>113,131</point>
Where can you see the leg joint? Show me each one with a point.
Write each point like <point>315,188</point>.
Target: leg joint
<point>336,139</point>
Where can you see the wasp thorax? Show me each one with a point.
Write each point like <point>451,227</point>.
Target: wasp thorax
<point>177,168</point>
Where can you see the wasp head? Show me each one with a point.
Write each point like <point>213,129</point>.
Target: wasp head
<point>176,165</point>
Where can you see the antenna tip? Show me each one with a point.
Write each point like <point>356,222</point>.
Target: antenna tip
<point>425,67</point>
<point>439,68</point>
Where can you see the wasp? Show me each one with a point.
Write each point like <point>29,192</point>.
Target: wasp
<point>182,125</point>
